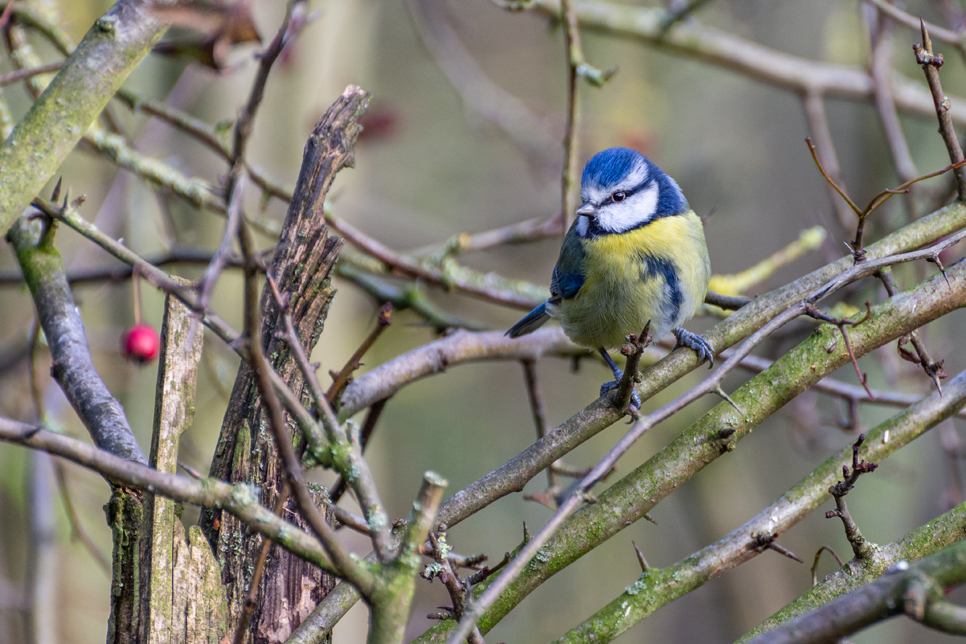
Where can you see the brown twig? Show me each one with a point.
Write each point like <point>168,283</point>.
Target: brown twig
<point>503,291</point>
<point>539,411</point>
<point>862,548</point>
<point>907,19</point>
<point>487,572</point>
<point>220,258</point>
<point>23,74</point>
<point>930,66</point>
<point>818,556</point>
<point>341,379</point>
<point>633,351</point>
<point>251,597</point>
<point>7,12</point>
<point>841,323</point>
<point>523,232</point>
<point>857,246</point>
<point>934,370</point>
<point>576,67</point>
<point>568,178</point>
<point>444,570</point>
<point>295,346</point>
<point>818,125</point>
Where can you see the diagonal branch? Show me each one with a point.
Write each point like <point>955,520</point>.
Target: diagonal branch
<point>73,369</point>
<point>112,48</point>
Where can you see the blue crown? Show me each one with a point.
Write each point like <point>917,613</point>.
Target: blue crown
<point>608,167</point>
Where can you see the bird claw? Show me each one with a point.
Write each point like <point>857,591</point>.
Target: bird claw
<point>696,343</point>
<point>608,387</point>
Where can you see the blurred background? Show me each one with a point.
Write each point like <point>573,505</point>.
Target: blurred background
<point>430,166</point>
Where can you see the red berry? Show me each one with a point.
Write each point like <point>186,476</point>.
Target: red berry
<point>140,343</point>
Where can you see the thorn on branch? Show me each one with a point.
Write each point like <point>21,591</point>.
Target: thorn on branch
<point>766,541</point>
<point>640,558</point>
<point>938,262</point>
<point>55,195</point>
<point>724,396</point>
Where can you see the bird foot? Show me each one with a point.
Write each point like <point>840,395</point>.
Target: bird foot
<point>696,343</point>
<point>611,386</point>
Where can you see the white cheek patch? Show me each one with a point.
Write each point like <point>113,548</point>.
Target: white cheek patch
<point>633,212</point>
<point>582,225</point>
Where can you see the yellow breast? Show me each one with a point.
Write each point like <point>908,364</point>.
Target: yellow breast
<point>657,273</point>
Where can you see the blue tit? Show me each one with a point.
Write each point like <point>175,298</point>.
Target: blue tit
<point>635,253</point>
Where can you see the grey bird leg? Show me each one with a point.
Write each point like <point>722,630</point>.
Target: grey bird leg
<point>696,343</point>
<point>618,374</point>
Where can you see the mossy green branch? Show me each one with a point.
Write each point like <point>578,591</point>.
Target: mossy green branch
<point>112,48</point>
<point>73,369</point>
<point>943,569</point>
<point>702,443</point>
<point>652,590</point>
<point>240,500</point>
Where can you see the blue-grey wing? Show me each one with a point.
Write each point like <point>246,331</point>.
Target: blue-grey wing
<point>568,274</point>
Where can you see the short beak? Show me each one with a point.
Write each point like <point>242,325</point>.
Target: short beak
<point>586,209</point>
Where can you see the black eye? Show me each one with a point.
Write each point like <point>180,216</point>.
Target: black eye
<point>618,196</point>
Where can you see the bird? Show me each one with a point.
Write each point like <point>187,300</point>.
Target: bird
<point>636,253</point>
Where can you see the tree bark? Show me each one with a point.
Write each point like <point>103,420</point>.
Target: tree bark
<point>290,588</point>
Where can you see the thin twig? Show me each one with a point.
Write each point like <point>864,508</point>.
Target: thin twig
<point>681,11</point>
<point>857,245</point>
<point>818,556</point>
<point>568,178</point>
<point>539,412</point>
<point>251,597</point>
<point>577,66</point>
<point>863,549</point>
<point>880,69</point>
<point>914,22</point>
<point>341,379</point>
<point>633,351</point>
<point>23,74</point>
<point>934,370</point>
<point>930,65</point>
<point>841,323</point>
<point>295,346</point>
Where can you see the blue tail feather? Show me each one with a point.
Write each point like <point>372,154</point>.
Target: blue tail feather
<point>530,322</point>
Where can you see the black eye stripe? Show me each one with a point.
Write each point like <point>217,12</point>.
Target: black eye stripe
<point>629,192</point>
